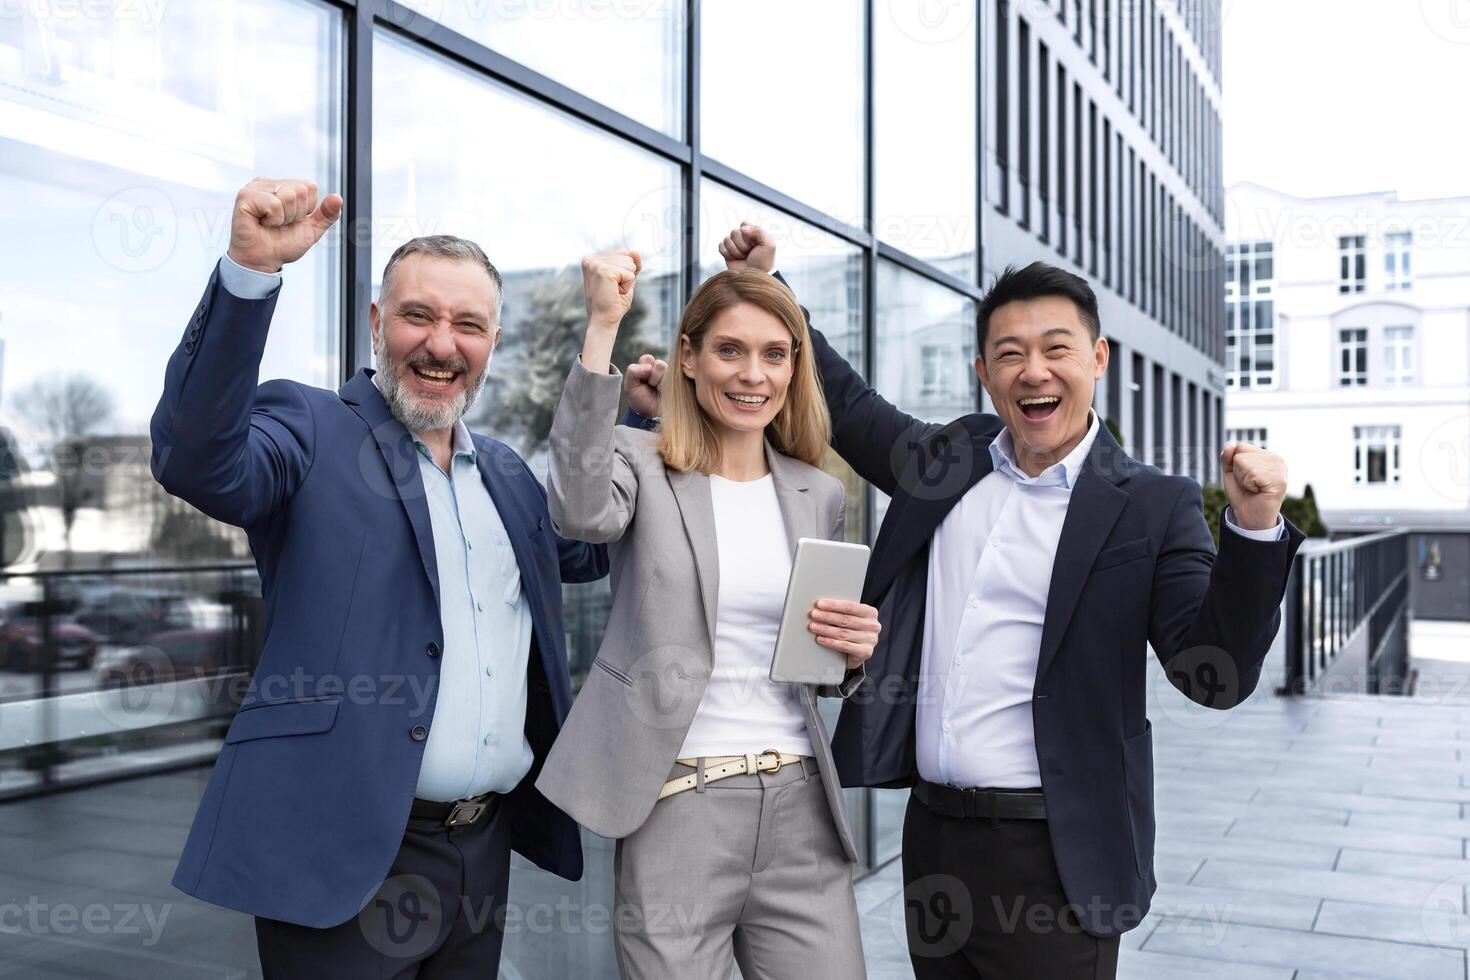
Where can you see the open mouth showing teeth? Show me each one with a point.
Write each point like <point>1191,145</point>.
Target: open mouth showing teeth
<point>435,379</point>
<point>748,401</point>
<point>1039,407</point>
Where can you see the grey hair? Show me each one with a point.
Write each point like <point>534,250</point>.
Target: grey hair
<point>446,247</point>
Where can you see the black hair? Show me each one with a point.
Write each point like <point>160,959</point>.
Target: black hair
<point>1033,282</point>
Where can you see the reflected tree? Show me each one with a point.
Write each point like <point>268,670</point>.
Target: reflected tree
<point>62,412</point>
<point>538,349</point>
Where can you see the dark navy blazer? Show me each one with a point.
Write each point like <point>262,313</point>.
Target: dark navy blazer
<point>308,802</point>
<point>1134,567</point>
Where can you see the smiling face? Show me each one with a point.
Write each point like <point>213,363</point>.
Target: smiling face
<point>1039,365</point>
<point>434,330</point>
<point>741,369</point>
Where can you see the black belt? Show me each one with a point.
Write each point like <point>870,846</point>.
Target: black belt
<point>460,813</point>
<point>981,804</point>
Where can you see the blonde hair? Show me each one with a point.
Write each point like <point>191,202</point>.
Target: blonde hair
<point>801,429</point>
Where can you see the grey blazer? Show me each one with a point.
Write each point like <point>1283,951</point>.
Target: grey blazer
<point>609,484</point>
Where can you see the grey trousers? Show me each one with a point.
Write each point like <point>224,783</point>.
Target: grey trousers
<point>750,870</point>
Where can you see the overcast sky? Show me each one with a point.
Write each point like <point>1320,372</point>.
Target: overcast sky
<point>1342,96</point>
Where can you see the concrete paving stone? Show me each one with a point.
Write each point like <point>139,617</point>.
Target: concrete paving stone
<point>1186,824</point>
<point>1417,789</point>
<point>1358,802</point>
<point>1368,838</point>
<point>1402,865</point>
<point>1345,955</point>
<point>1210,906</point>
<point>1289,853</point>
<point>1348,886</point>
<point>1428,826</point>
<point>1253,810</point>
<point>1175,867</point>
<point>1429,926</point>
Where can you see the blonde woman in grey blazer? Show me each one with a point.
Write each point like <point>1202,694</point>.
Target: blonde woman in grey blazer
<point>718,785</point>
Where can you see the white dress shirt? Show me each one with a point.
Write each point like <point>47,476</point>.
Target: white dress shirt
<point>990,567</point>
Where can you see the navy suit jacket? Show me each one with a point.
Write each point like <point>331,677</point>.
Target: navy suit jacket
<point>1134,566</point>
<point>309,799</point>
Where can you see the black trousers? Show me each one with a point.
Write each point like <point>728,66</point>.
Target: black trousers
<point>437,916</point>
<point>984,900</point>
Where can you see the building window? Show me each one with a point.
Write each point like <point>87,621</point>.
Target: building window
<point>1023,118</point>
<point>1250,315</point>
<point>1043,138</point>
<point>1080,152</point>
<point>1002,104</point>
<point>1352,264</point>
<point>1376,454</point>
<point>1255,437</point>
<point>1397,252</point>
<point>1135,387</point>
<point>933,359</point>
<point>1061,159</point>
<point>1398,355</point>
<point>1352,357</point>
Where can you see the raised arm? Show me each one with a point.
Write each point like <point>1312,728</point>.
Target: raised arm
<point>868,431</point>
<point>234,450</point>
<point>592,489</point>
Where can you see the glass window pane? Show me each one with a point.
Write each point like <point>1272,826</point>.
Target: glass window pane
<point>124,142</point>
<point>535,215</point>
<point>627,55</point>
<point>924,147</point>
<point>782,97</point>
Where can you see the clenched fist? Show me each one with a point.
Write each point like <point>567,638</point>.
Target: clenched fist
<point>749,247</point>
<point>1255,485</point>
<point>608,280</point>
<point>276,221</point>
<point>640,383</point>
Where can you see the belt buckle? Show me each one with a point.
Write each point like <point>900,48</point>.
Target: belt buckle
<point>466,812</point>
<point>777,756</point>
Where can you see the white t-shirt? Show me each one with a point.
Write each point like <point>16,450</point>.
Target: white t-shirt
<point>742,711</point>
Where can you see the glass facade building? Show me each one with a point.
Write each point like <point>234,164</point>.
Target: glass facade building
<point>863,133</point>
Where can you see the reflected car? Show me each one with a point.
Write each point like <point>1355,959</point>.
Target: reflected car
<point>74,647</point>
<point>173,655</point>
<point>130,616</point>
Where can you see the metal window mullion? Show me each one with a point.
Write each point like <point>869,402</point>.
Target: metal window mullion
<point>357,246</point>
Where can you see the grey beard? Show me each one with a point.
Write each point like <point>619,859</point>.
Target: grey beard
<point>414,416</point>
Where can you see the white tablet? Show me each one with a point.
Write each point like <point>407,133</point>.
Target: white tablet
<point>822,570</point>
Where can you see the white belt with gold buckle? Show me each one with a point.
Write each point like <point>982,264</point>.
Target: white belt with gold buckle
<point>725,766</point>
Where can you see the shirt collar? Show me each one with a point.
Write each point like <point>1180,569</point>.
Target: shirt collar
<point>462,444</point>
<point>1063,473</point>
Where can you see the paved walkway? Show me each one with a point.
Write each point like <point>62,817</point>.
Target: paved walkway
<point>1296,841</point>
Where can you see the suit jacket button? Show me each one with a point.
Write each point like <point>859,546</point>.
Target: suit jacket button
<point>432,649</point>
<point>188,347</point>
<point>419,733</point>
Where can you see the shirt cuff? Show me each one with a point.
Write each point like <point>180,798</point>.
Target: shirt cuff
<point>1270,534</point>
<point>244,283</point>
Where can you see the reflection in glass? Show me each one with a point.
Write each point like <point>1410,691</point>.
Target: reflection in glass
<point>781,91</point>
<point>924,134</point>
<point>824,272</point>
<point>626,54</point>
<point>535,214</point>
<point>124,141</point>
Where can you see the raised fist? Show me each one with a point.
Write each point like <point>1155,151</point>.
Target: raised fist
<point>608,280</point>
<point>640,383</point>
<point>749,247</point>
<point>276,221</point>
<point>1255,485</point>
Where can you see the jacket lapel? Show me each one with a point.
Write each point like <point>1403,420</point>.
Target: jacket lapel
<point>391,441</point>
<point>696,507</point>
<point>798,509</point>
<point>1097,500</point>
<point>934,479</point>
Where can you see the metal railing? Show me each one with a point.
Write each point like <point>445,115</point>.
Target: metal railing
<point>1336,592</point>
<point>96,663</point>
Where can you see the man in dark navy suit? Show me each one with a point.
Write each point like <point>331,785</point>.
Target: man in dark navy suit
<point>382,765</point>
<point>1024,567</point>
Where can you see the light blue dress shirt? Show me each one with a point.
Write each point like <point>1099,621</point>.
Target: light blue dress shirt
<point>477,743</point>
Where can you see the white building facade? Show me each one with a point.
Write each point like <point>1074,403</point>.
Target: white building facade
<point>1348,350</point>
